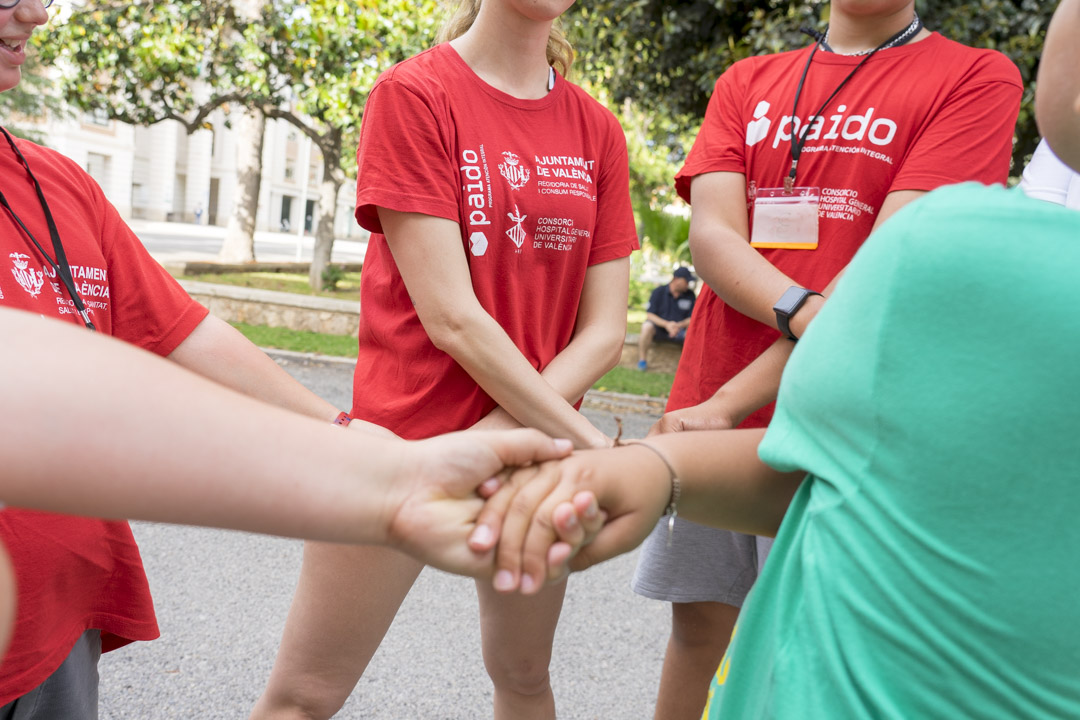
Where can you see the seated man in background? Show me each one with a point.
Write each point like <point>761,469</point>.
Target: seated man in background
<point>668,315</point>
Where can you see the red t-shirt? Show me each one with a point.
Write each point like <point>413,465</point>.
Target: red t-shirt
<point>540,189</point>
<point>914,117</point>
<point>75,574</point>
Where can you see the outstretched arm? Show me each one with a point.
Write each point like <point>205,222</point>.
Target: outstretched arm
<point>722,483</point>
<point>219,352</point>
<point>130,435</point>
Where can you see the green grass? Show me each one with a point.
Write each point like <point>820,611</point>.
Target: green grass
<point>348,287</point>
<point>620,380</point>
<point>635,382</point>
<point>299,340</point>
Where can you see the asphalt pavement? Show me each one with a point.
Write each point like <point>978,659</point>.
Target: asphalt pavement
<point>222,598</point>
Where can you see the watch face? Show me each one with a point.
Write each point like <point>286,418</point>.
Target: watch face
<point>790,300</point>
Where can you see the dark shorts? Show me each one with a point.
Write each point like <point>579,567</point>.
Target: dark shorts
<point>70,693</point>
<point>662,335</point>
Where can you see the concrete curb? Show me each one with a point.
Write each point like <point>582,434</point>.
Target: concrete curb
<point>308,357</point>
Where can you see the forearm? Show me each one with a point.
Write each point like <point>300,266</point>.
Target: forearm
<point>724,484</point>
<point>219,352</point>
<point>737,273</point>
<point>151,441</point>
<point>755,386</point>
<point>485,351</point>
<point>584,361</point>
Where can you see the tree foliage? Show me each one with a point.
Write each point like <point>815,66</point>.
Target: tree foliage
<point>308,62</point>
<point>32,99</point>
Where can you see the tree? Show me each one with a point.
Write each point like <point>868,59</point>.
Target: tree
<point>145,62</point>
<point>318,61</point>
<point>239,243</point>
<point>308,62</point>
<point>32,99</point>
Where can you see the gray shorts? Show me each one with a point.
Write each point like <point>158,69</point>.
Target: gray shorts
<point>703,564</point>
<point>70,693</point>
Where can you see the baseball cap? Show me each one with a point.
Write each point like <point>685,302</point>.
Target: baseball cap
<point>685,274</point>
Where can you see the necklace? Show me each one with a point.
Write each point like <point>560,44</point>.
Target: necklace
<point>898,39</point>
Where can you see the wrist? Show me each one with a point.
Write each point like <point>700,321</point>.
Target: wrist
<point>809,310</point>
<point>671,487</point>
<point>792,313</point>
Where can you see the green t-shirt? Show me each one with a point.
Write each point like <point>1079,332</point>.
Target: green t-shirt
<point>929,566</point>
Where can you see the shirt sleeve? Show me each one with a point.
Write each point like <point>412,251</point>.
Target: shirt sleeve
<point>1047,178</point>
<point>149,309</point>
<point>970,137</point>
<point>403,162</point>
<point>720,143</point>
<point>615,230</point>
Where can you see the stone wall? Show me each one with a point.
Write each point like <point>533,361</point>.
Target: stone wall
<point>277,309</point>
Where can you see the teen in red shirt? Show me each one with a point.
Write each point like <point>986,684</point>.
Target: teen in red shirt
<point>924,113</point>
<point>494,294</point>
<point>78,576</point>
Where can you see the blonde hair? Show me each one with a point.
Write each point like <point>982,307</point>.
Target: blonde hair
<point>560,54</point>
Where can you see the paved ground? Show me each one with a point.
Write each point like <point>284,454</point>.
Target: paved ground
<point>222,599</point>
<point>183,242</point>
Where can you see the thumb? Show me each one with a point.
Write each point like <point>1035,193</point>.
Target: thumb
<point>525,446</point>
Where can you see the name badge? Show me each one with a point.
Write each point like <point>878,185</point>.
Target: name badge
<point>786,219</point>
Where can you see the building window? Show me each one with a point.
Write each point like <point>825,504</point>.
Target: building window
<point>290,169</point>
<point>97,167</point>
<point>98,116</point>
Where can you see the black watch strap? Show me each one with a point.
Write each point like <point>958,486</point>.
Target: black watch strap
<point>786,307</point>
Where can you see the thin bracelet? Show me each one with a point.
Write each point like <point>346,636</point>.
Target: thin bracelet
<point>343,419</point>
<point>672,509</point>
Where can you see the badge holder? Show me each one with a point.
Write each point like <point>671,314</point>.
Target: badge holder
<point>786,218</point>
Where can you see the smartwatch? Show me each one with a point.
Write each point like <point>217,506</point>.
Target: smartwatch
<point>786,307</point>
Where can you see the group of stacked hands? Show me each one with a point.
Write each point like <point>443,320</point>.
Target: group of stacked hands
<point>923,413</point>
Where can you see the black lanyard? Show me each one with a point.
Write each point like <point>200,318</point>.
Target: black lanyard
<point>60,266</point>
<point>798,137</point>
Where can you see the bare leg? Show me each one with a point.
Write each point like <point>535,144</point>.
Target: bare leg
<point>700,633</point>
<point>345,601</point>
<point>517,632</point>
<point>648,331</point>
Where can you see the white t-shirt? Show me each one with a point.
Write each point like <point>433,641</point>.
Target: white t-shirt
<point>1047,178</point>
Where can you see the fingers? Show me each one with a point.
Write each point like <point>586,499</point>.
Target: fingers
<point>532,504</point>
<point>489,522</point>
<point>576,523</point>
<point>571,522</point>
<point>522,447</point>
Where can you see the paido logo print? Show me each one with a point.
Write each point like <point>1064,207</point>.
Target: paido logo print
<point>758,128</point>
<point>478,243</point>
<point>840,125</point>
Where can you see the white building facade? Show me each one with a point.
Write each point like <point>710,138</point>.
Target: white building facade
<point>160,173</point>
